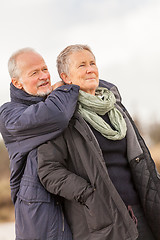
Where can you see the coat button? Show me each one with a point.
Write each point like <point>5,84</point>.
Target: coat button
<point>137,159</point>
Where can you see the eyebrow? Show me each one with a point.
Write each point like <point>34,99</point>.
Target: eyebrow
<point>37,69</point>
<point>85,61</point>
<point>34,70</point>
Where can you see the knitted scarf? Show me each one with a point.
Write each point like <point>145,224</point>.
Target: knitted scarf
<point>90,107</point>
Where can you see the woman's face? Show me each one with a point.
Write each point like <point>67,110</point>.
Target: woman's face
<point>83,71</point>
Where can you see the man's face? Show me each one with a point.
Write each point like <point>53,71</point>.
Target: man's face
<point>34,76</point>
<point>83,71</point>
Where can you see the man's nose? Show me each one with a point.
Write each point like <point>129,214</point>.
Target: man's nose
<point>43,75</point>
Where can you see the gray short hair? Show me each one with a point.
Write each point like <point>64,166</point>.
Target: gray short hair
<point>63,57</point>
<point>13,69</point>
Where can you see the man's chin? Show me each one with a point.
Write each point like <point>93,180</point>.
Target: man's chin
<point>43,93</point>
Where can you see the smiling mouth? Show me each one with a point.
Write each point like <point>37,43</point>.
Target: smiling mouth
<point>43,84</point>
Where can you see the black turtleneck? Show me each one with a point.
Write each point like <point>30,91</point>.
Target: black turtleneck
<point>115,156</point>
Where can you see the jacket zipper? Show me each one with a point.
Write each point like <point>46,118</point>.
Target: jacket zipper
<point>62,215</point>
<point>62,219</point>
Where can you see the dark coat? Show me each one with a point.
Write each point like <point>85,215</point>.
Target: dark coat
<point>72,166</point>
<point>25,123</point>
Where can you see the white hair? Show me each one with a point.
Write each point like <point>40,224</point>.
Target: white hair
<point>13,69</point>
<point>63,57</point>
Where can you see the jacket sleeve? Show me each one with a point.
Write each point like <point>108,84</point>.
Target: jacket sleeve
<point>52,115</point>
<point>55,175</point>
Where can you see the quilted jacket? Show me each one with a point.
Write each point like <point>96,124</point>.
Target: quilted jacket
<point>73,167</point>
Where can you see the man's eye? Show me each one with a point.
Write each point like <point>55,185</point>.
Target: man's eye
<point>45,69</point>
<point>82,65</point>
<point>93,63</point>
<point>34,73</point>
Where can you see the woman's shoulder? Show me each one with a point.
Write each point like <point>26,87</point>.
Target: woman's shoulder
<point>104,83</point>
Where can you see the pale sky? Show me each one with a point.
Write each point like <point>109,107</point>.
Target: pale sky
<point>124,35</point>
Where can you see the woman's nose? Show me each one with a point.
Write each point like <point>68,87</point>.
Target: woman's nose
<point>89,69</point>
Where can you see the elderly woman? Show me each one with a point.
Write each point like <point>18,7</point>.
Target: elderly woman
<point>100,165</point>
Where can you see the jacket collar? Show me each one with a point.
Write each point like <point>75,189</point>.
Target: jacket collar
<point>20,96</point>
<point>112,88</point>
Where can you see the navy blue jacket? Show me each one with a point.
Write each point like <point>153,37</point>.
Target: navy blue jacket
<point>25,123</point>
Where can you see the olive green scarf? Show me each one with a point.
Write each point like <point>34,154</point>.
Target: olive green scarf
<point>91,106</point>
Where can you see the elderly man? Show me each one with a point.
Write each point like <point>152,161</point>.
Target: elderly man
<point>34,115</point>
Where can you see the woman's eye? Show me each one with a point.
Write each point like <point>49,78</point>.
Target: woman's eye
<point>82,65</point>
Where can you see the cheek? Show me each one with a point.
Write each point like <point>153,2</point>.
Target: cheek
<point>74,78</point>
<point>48,76</point>
<point>97,73</point>
<point>32,84</point>
<point>35,81</point>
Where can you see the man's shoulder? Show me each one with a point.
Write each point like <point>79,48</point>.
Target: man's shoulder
<point>9,107</point>
<point>6,105</point>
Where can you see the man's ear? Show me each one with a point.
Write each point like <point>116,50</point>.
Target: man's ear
<point>65,78</point>
<point>17,83</point>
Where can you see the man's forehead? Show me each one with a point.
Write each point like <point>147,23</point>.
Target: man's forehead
<point>26,56</point>
<point>30,60</point>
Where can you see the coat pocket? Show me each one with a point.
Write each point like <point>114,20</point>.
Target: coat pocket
<point>37,220</point>
<point>97,213</point>
<point>37,213</point>
<point>31,190</point>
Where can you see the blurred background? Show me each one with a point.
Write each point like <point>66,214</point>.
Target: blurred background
<point>125,38</point>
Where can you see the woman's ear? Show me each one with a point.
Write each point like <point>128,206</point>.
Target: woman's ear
<point>65,78</point>
<point>17,83</point>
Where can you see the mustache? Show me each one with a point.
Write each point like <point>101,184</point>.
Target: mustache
<point>43,82</point>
